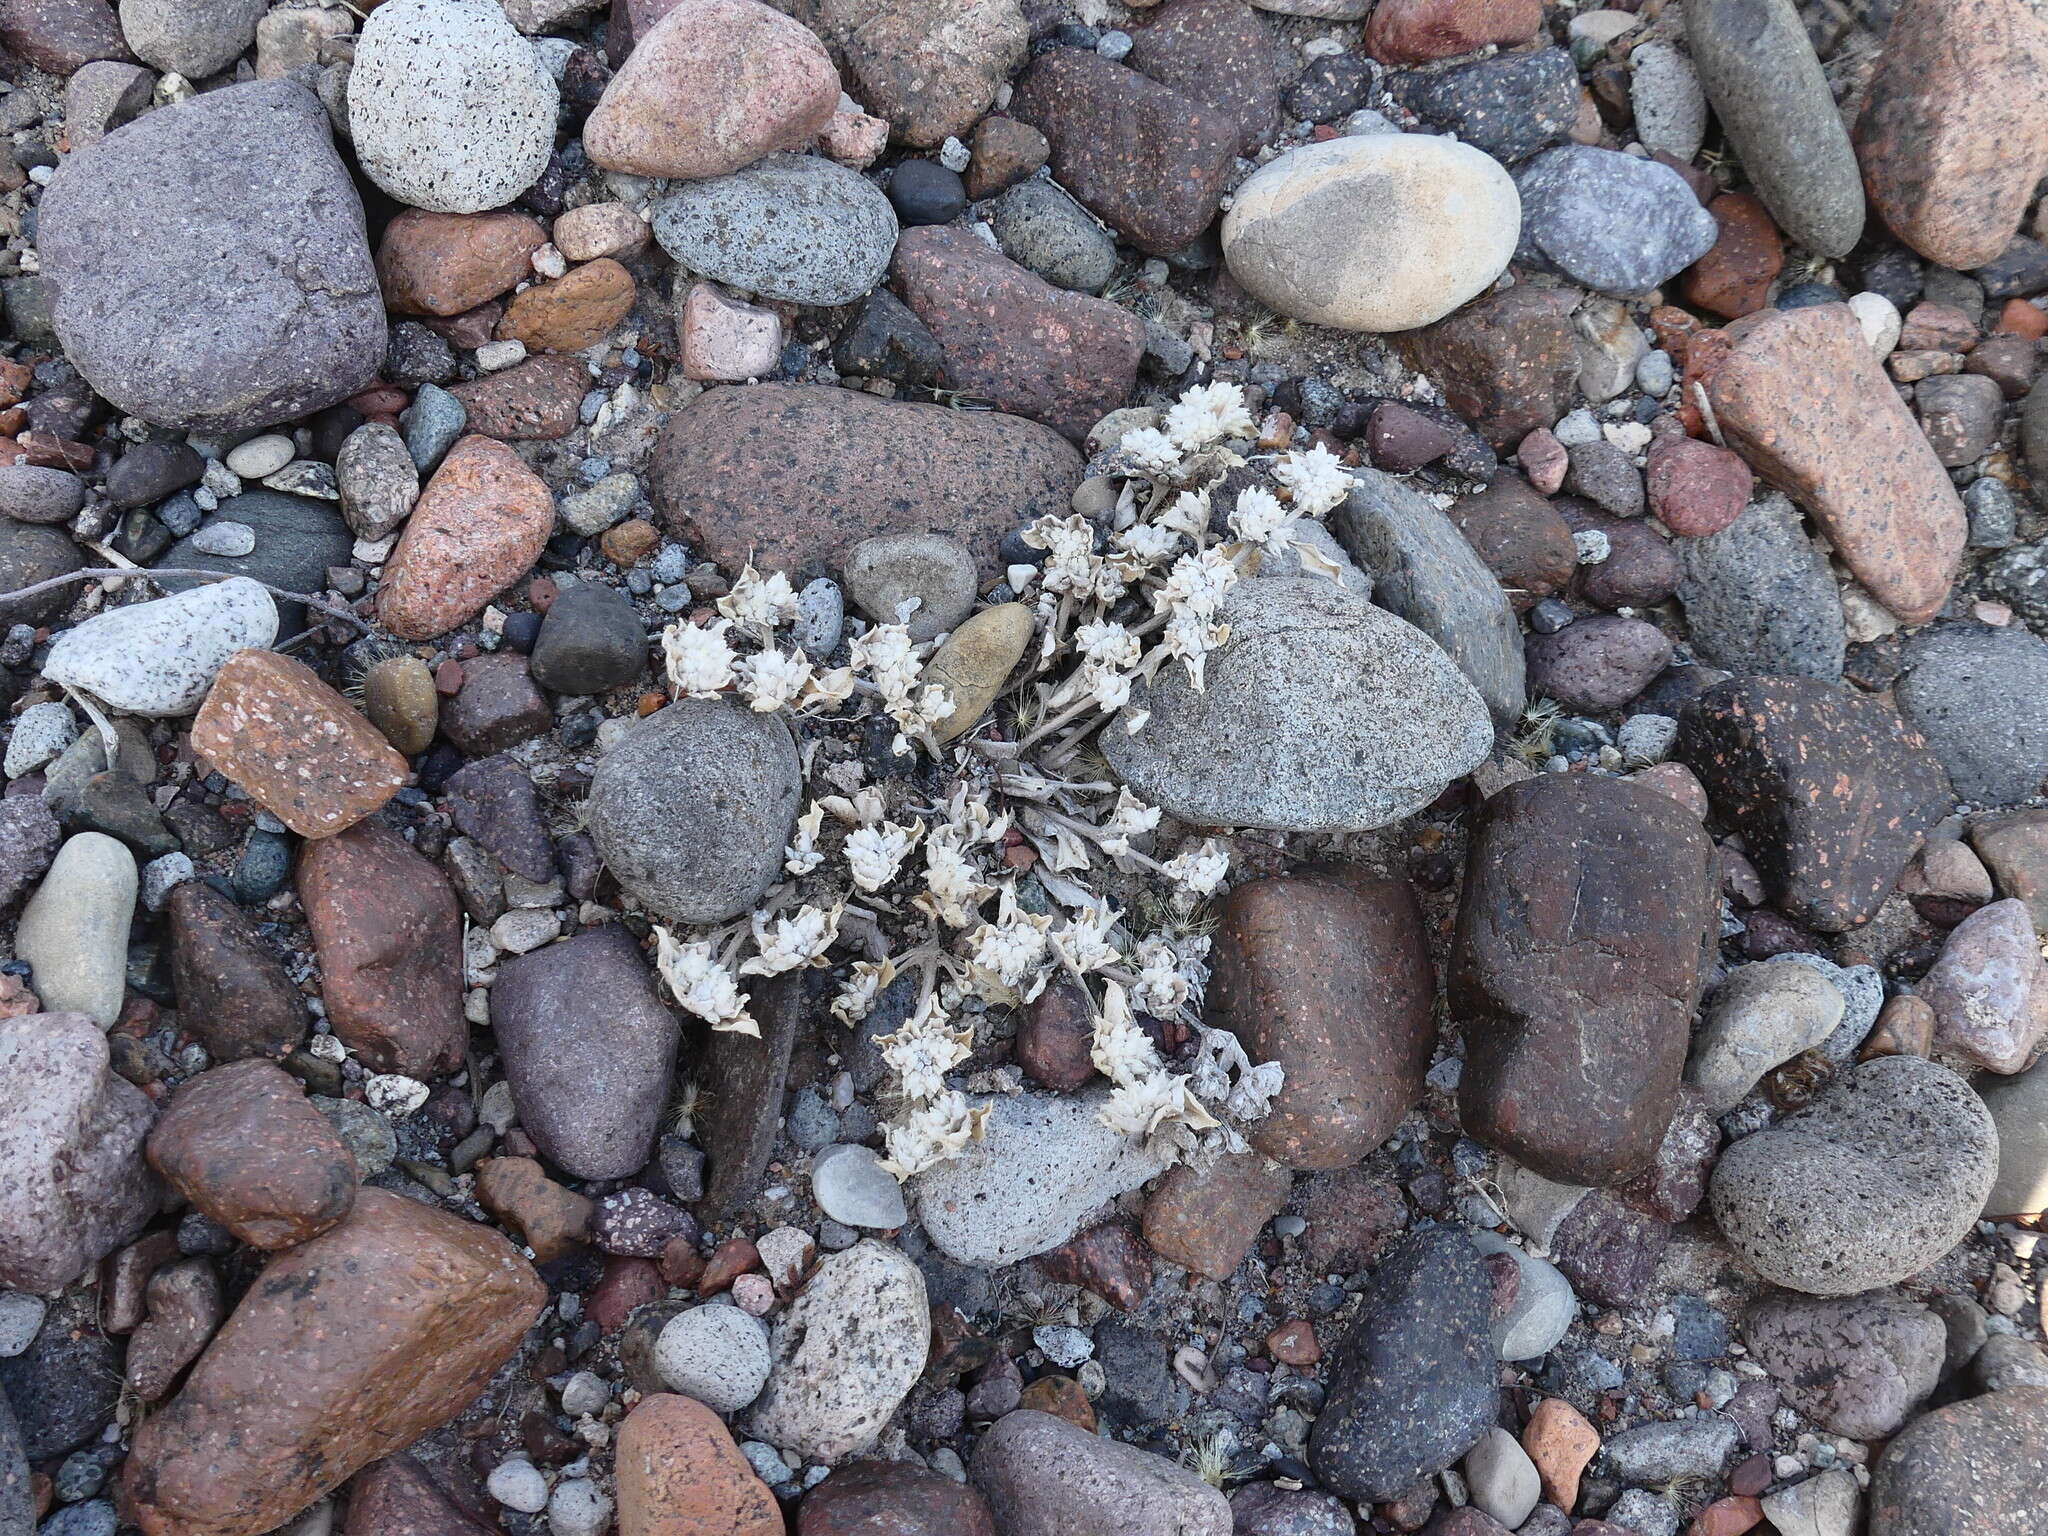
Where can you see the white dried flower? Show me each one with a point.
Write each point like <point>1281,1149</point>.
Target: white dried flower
<point>953,886</point>
<point>888,656</point>
<point>759,602</point>
<point>793,942</point>
<point>925,1049</point>
<point>1084,942</point>
<point>701,985</point>
<point>931,1132</point>
<point>773,679</point>
<point>1142,1107</point>
<point>1109,688</point>
<point>856,997</point>
<point>1198,871</point>
<point>1197,584</point>
<point>875,853</point>
<point>1130,818</point>
<point>1150,451</point>
<point>1147,543</point>
<point>1189,638</point>
<point>1208,413</point>
<point>699,660</point>
<point>1121,1051</point>
<point>802,856</point>
<point>1258,518</point>
<point>827,690</point>
<point>1162,988</point>
<point>1188,514</point>
<point>916,713</point>
<point>1009,954</point>
<point>1107,642</point>
<point>1317,478</point>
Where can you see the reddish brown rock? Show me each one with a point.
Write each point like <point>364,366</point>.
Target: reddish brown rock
<point>232,990</point>
<point>1005,153</point>
<point>1521,538</point>
<point>497,707</point>
<point>536,400</point>
<point>791,474</point>
<point>388,931</point>
<point>348,1348</point>
<point>1641,568</point>
<point>1951,138</point>
<point>1696,488</point>
<point>1055,1038</point>
<point>245,1146</point>
<point>1416,31</point>
<point>892,1498</point>
<point>1062,1397</point>
<point>680,1474</point>
<point>1011,337</point>
<point>1111,1260</point>
<point>1734,278</point>
<point>1353,1217</point>
<point>1327,973</point>
<point>572,312</point>
<point>185,1310</point>
<point>931,67</point>
<point>1727,1517</point>
<point>1507,363</point>
<point>445,263</point>
<point>294,745</point>
<point>627,1285</point>
<point>396,1497</point>
<point>1974,1466</point>
<point>1574,973</point>
<point>124,1275</point>
<point>1214,51</point>
<point>1207,1219</point>
<point>1146,160</point>
<point>2015,849</point>
<point>479,525</point>
<point>62,36</point>
<point>552,1219</point>
<point>1804,401</point>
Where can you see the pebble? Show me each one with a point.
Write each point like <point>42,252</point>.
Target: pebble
<point>1989,989</point>
<point>1670,106</point>
<point>1827,1504</point>
<point>1982,1460</point>
<point>1544,1308</point>
<point>1419,31</point>
<point>1975,694</point>
<point>1762,1016</point>
<point>1046,1476</point>
<point>578,1507</point>
<point>29,494</point>
<point>932,570</point>
<point>1696,488</point>
<point>377,479</point>
<point>450,109</point>
<point>1501,1479</point>
<point>1043,229</point>
<point>725,340</point>
<point>894,1496</point>
<point>40,735</point>
<point>1360,214</point>
<point>517,1484</point>
<point>1858,1366</point>
<point>260,456</point>
<point>191,43</point>
<point>1510,106</point>
<point>1609,221</point>
<point>223,537</point>
<point>786,227</point>
<point>590,642</point>
<point>679,1474</point>
<point>74,930</point>
<point>21,1318</point>
<point>479,525</point>
<point>851,1186</point>
<point>974,663</point>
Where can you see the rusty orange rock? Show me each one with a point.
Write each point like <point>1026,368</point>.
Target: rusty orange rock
<point>1801,397</point>
<point>295,745</point>
<point>445,263</point>
<point>680,1474</point>
<point>1560,1442</point>
<point>1417,31</point>
<point>480,524</point>
<point>347,1349</point>
<point>1735,277</point>
<point>572,312</point>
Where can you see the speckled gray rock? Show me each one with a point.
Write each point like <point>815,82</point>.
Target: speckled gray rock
<point>1046,1162</point>
<point>29,494</point>
<point>1825,1505</point>
<point>1758,595</point>
<point>1040,227</point>
<point>1878,1177</point>
<point>71,1135</point>
<point>1758,68</point>
<point>1423,569</point>
<point>74,930</point>
<point>1412,1385</point>
<point>1762,1015</point>
<point>450,109</point>
<point>790,227</point>
<point>588,1049</point>
<point>847,1353</point>
<point>717,1354</point>
<point>693,808</point>
<point>1046,1476</point>
<point>1973,1466</point>
<point>378,480</point>
<point>891,568</point>
<point>211,267</point>
<point>1510,105</point>
<point>1659,1454</point>
<point>1980,697</point>
<point>29,839</point>
<point>1609,221</point>
<point>1354,717</point>
<point>158,658</point>
<point>1855,1365</point>
<point>192,40</point>
<point>1670,108</point>
<point>40,735</point>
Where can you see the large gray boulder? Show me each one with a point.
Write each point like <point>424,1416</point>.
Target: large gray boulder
<point>211,268</point>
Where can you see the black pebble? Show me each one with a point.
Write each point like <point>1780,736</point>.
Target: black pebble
<point>925,192</point>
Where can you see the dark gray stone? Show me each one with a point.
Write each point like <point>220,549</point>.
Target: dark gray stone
<point>29,494</point>
<point>793,227</point>
<point>29,838</point>
<point>740,1082</point>
<point>297,539</point>
<point>1510,106</point>
<point>590,642</point>
<point>149,472</point>
<point>1609,221</point>
<point>1142,1389</point>
<point>1758,595</point>
<point>888,341</point>
<point>493,800</point>
<point>29,554</point>
<point>211,265</point>
<point>1980,697</point>
<point>64,1386</point>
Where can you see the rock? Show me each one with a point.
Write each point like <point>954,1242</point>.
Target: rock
<point>232,990</point>
<point>368,1335</point>
<point>18,1502</point>
<point>552,1220</point>
<point>241,1143</point>
<point>294,744</point>
<point>934,571</point>
<point>1989,989</point>
<point>1328,974</point>
<point>1610,986</point>
<point>378,480</point>
<point>1829,790</point>
<point>789,227</point>
<point>538,399</point>
<point>724,340</point>
<point>1735,277</point>
<point>571,312</point>
<point>1502,1479</point>
<point>61,36</point>
<point>588,1049</point>
<point>498,707</point>
<point>1878,1177</point>
<point>679,1474</point>
<point>1544,1307</point>
<point>590,642</point>
<point>28,556</point>
<point>1855,1365</point>
<point>40,735</point>
<point>451,110</point>
<point>1974,693</point>
<point>1669,106</point>
<point>1334,233</point>
<point>847,1352</point>
<point>247,299</point>
<point>1508,362</point>
<point>717,1355</point>
<point>1978,1462</point>
<point>600,229</point>
<point>740,1082</point>
<point>1559,1441</point>
<point>1759,597</point>
<point>1219,52</point>
<point>1206,1220</point>
<point>71,1133</point>
<point>1005,153</point>
<point>1411,1387</point>
<point>1509,106</point>
<point>888,342</point>
<point>2014,846</point>
<point>1609,221</point>
<point>2016,1104</point>
<point>1945,136</point>
<point>191,41</point>
<point>388,932</point>
<point>480,524</point>
<point>159,658</point>
<point>930,67</point>
<point>851,1187</point>
<point>1267,1509</point>
<point>1041,228</point>
<point>1521,537</point>
<point>62,1391</point>
<point>1046,1162</point>
<point>1308,662</point>
<point>975,662</point>
<point>1675,1451</point>
<point>1828,1504</point>
<point>29,839</point>
<point>693,807</point>
<point>1762,1016</point>
<point>787,474</point>
<point>1419,31</point>
<point>1045,1476</point>
<point>1598,663</point>
<point>892,1498</point>
<point>74,930</point>
<point>1802,398</point>
<point>297,539</point>
<point>1147,160</point>
<point>149,472</point>
<point>710,88</point>
<point>29,494</point>
<point>1696,488</point>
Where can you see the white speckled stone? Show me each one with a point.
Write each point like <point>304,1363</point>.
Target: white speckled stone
<point>74,930</point>
<point>716,1354</point>
<point>450,108</point>
<point>41,733</point>
<point>850,1185</point>
<point>159,658</point>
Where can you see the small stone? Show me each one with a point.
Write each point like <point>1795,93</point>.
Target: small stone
<point>517,1484</point>
<point>1989,989</point>
<point>814,232</point>
<point>1206,1221</point>
<point>1520,536</point>
<point>1046,1476</point>
<point>1855,1365</point>
<point>1827,1504</point>
<point>446,263</point>
<point>590,642</point>
<point>893,1498</point>
<point>1609,221</point>
<point>974,663</point>
<point>378,481</point>
<point>1734,278</point>
<point>717,1355</point>
<point>1982,1460</point>
<point>552,1220</point>
<point>726,341</point>
<point>480,524</point>
<point>1762,1016</point>
<point>399,698</point>
<point>1509,106</point>
<point>572,312</point>
<point>578,1507</point>
<point>1597,663</point>
<point>1419,31</point>
<point>851,1186</point>
<point>1696,488</point>
<point>935,571</point>
<point>1561,1444</point>
<point>680,1474</point>
<point>74,931</point>
<point>1502,1479</point>
<point>1041,228</point>
<point>600,229</point>
<point>1005,153</point>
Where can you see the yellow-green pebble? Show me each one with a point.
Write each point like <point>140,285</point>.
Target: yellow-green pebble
<point>399,697</point>
<point>976,661</point>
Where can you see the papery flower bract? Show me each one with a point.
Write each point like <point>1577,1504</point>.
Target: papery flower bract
<point>1011,952</point>
<point>1189,638</point>
<point>793,942</point>
<point>856,997</point>
<point>1142,1106</point>
<point>759,602</point>
<point>827,690</point>
<point>802,855</point>
<point>1197,584</point>
<point>1107,642</point>
<point>773,679</point>
<point>1084,941</point>
<point>1109,688</point>
<point>699,660</point>
<point>1147,543</point>
<point>1162,987</point>
<point>1188,514</point>
<point>1121,1051</point>
<point>924,1050</point>
<point>1130,818</point>
<point>875,853</point>
<point>1208,413</point>
<point>931,1132</point>
<point>1198,871</point>
<point>1317,478</point>
<point>953,887</point>
<point>701,985</point>
<point>1258,518</point>
<point>1150,450</point>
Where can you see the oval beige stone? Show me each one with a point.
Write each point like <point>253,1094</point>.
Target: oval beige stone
<point>975,662</point>
<point>1384,232</point>
<point>399,698</point>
